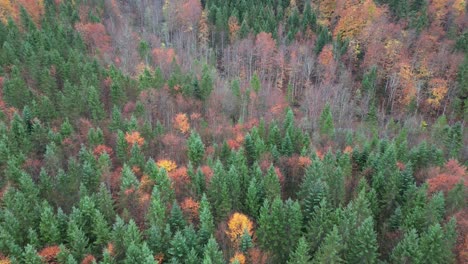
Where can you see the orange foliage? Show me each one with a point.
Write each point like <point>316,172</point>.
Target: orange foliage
<point>159,258</point>
<point>7,9</point>
<point>326,56</point>
<point>49,254</point>
<point>190,14</point>
<point>265,47</point>
<point>208,172</point>
<point>35,8</point>
<point>146,184</point>
<point>234,28</point>
<point>452,174</point>
<point>95,35</point>
<point>304,161</point>
<point>190,208</point>
<point>168,165</point>
<point>327,8</point>
<point>5,260</point>
<point>237,225</point>
<point>88,259</point>
<point>408,83</point>
<point>110,248</point>
<point>257,256</point>
<point>355,16</point>
<point>203,30</point>
<point>348,150</point>
<point>163,56</point>
<point>134,137</point>
<point>181,123</point>
<point>180,181</point>
<point>239,257</point>
<point>100,149</point>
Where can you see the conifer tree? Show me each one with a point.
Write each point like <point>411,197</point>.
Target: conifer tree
<point>363,248</point>
<point>326,126</point>
<point>196,149</point>
<point>331,248</point>
<point>300,254</point>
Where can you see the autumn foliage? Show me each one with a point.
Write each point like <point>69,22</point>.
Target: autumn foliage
<point>453,173</point>
<point>238,223</point>
<point>181,123</point>
<point>168,165</point>
<point>134,138</point>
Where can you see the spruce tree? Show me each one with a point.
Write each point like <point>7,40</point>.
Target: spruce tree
<point>301,253</point>
<point>196,149</point>
<point>326,126</point>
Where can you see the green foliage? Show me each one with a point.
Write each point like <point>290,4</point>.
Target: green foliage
<point>196,149</point>
<point>326,127</point>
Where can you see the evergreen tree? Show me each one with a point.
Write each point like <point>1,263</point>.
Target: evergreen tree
<point>272,185</point>
<point>49,226</point>
<point>326,126</point>
<point>363,248</point>
<point>212,254</point>
<point>331,248</point>
<point>196,149</point>
<point>30,256</point>
<point>301,254</point>
<point>206,221</point>
<point>408,249</point>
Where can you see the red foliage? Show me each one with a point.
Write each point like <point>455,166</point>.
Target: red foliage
<point>115,179</point>
<point>265,48</point>
<point>134,138</point>
<point>452,174</point>
<point>190,208</point>
<point>49,254</point>
<point>88,259</point>
<point>208,172</point>
<point>190,14</point>
<point>462,239</point>
<point>257,256</point>
<point>180,181</point>
<point>33,166</point>
<point>100,149</point>
<point>95,36</point>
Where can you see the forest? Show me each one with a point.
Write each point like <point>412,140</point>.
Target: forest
<point>233,131</point>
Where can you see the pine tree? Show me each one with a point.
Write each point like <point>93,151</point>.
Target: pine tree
<point>178,247</point>
<point>253,202</point>
<point>121,146</point>
<point>206,221</point>
<point>94,104</point>
<point>196,149</point>
<point>245,242</point>
<point>363,248</point>
<point>77,240</point>
<point>49,226</point>
<point>326,126</point>
<point>301,254</point>
<point>272,185</point>
<point>129,180</point>
<point>212,254</point>
<point>408,249</point>
<point>176,219</point>
<point>255,83</point>
<point>330,249</point>
<point>30,256</point>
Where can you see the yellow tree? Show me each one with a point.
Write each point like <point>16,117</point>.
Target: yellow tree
<point>6,10</point>
<point>237,225</point>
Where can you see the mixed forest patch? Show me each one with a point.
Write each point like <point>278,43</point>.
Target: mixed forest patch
<point>220,131</point>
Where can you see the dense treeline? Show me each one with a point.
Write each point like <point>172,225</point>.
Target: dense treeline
<point>215,131</point>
